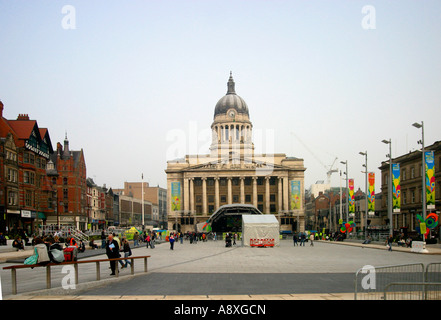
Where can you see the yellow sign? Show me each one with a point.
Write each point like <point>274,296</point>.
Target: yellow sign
<point>423,228</point>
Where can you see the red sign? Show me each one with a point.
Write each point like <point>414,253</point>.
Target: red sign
<point>262,242</point>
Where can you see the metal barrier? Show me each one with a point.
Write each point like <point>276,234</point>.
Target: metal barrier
<point>371,282</point>
<point>399,282</point>
<point>413,291</point>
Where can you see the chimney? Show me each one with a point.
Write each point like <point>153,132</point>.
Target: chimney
<point>1,109</point>
<point>23,116</point>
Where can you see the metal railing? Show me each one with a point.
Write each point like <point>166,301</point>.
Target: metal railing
<point>64,232</point>
<point>399,282</point>
<point>412,291</point>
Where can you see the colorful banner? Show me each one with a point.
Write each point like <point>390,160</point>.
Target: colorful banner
<point>430,179</point>
<point>351,196</point>
<point>296,195</point>
<point>396,187</point>
<point>175,196</point>
<point>371,193</point>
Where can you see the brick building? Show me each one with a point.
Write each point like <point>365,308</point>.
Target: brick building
<point>67,171</point>
<point>26,191</point>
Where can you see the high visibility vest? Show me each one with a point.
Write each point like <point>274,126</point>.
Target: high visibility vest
<point>72,243</point>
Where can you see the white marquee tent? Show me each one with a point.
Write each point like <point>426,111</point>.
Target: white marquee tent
<point>260,230</point>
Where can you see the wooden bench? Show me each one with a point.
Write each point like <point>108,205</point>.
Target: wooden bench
<point>75,264</point>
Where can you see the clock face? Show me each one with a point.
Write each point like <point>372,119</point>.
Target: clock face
<point>232,114</point>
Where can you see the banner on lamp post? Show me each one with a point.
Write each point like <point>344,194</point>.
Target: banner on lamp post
<point>396,187</point>
<point>371,193</point>
<point>351,197</point>
<point>430,179</point>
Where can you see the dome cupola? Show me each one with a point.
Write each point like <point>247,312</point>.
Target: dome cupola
<point>231,101</point>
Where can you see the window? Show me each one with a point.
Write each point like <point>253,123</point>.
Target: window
<point>29,177</point>
<point>65,194</point>
<point>260,197</point>
<point>247,198</point>
<point>12,175</point>
<point>12,198</point>
<point>28,198</point>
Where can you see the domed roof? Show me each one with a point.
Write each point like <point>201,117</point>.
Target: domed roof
<point>231,101</point>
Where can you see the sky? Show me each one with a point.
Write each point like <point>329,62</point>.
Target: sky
<point>134,83</point>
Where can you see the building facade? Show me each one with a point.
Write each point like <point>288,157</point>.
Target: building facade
<point>232,173</point>
<point>156,197</point>
<point>67,171</point>
<point>405,219</point>
<point>27,193</point>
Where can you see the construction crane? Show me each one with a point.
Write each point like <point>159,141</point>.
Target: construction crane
<point>329,171</point>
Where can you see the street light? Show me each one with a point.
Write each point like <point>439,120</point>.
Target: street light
<point>366,193</point>
<point>347,189</point>
<point>389,197</point>
<point>423,166</point>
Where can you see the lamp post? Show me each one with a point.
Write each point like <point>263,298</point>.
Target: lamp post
<point>389,191</point>
<point>347,190</point>
<point>366,194</point>
<point>142,199</point>
<point>423,167</point>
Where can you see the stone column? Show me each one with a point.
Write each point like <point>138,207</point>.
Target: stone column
<point>285,194</point>
<point>204,196</point>
<point>267,195</point>
<point>280,194</point>
<point>255,191</point>
<point>186,194</point>
<point>230,191</point>
<point>216,193</point>
<point>192,195</point>
<point>242,190</point>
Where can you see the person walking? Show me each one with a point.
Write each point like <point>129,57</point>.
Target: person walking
<point>112,252</point>
<point>147,241</point>
<point>389,243</point>
<point>171,239</point>
<point>302,239</point>
<point>295,239</point>
<point>103,239</point>
<point>311,238</point>
<point>127,253</point>
<point>136,239</point>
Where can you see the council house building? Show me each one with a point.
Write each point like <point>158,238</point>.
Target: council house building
<point>197,185</point>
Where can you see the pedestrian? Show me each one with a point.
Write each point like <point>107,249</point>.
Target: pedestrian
<point>171,239</point>
<point>295,239</point>
<point>389,243</point>
<point>147,240</point>
<point>112,251</point>
<point>127,253</point>
<point>311,238</point>
<point>103,239</point>
<point>234,239</point>
<point>136,239</point>
<point>302,239</point>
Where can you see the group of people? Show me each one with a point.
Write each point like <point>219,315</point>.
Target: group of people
<point>46,250</point>
<point>302,238</point>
